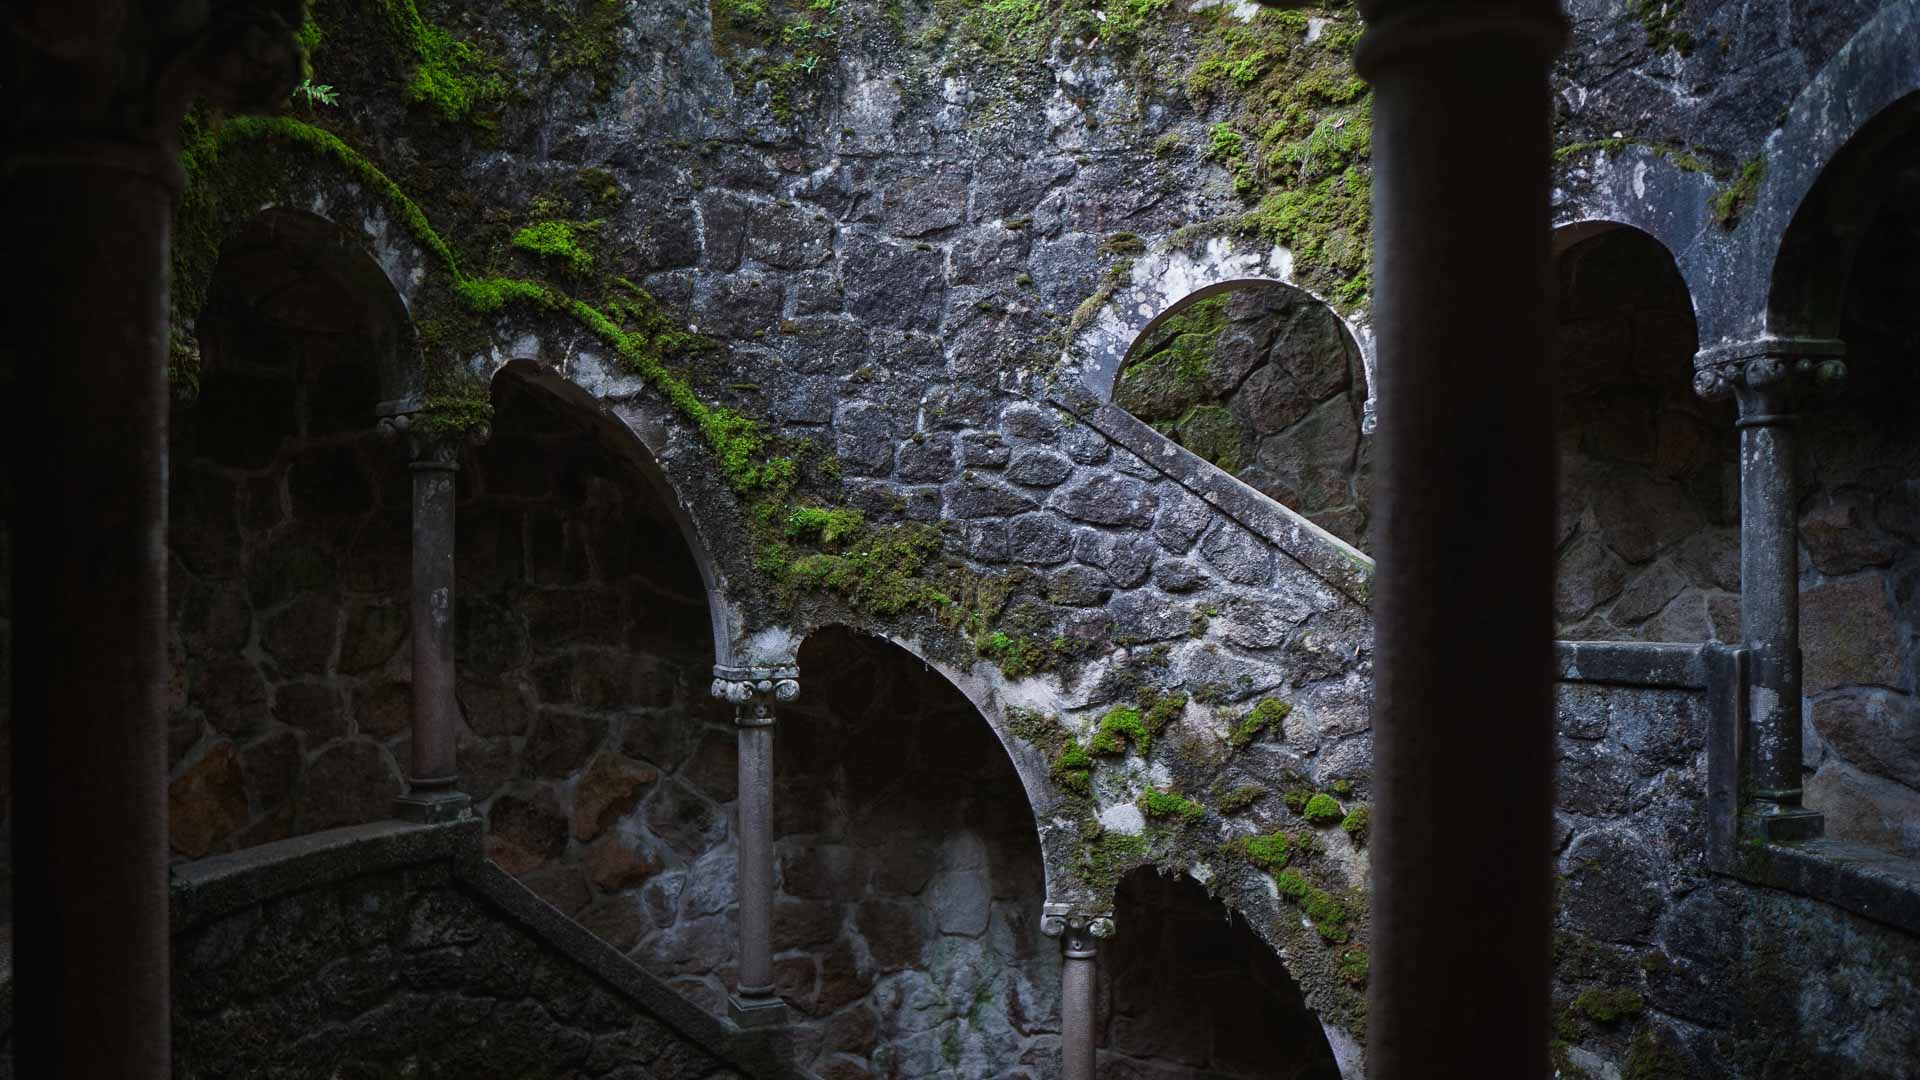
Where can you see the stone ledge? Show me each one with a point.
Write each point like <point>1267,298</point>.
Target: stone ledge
<point>1631,663</point>
<point>1866,881</point>
<point>210,888</point>
<point>1321,553</point>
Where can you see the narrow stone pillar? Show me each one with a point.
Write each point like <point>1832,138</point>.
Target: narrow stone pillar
<point>1079,979</point>
<point>1770,381</point>
<point>1463,706</point>
<point>754,693</point>
<point>88,173</point>
<point>431,793</point>
<point>91,224</point>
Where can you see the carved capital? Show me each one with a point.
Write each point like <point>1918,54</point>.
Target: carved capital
<point>1080,934</point>
<point>755,690</point>
<point>1770,377</point>
<point>428,447</point>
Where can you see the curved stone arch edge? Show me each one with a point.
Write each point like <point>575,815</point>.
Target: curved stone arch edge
<point>1875,72</point>
<point>208,889</point>
<point>992,695</point>
<point>1737,280</point>
<point>642,429</point>
<point>1315,550</point>
<point>1173,276</point>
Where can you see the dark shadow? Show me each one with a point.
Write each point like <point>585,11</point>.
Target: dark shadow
<point>1190,990</point>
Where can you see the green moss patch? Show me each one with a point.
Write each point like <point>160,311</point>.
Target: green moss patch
<point>1322,810</point>
<point>1170,805</point>
<point>1267,715</point>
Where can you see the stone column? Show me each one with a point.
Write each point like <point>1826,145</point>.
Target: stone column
<point>1079,977</point>
<point>754,693</point>
<point>96,90</point>
<point>1770,381</point>
<point>431,792</point>
<point>1463,707</point>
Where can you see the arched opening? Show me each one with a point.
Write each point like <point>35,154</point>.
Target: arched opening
<point>1188,986</point>
<point>588,739</point>
<point>910,889</point>
<point>1860,494</point>
<point>1264,381</point>
<point>288,544</point>
<point>1648,533</point>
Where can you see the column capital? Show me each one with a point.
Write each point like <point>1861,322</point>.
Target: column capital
<point>754,690</point>
<point>1769,376</point>
<point>428,446</point>
<point>1080,933</point>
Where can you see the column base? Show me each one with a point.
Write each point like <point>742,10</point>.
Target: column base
<point>756,1012</point>
<point>1784,825</point>
<point>431,807</point>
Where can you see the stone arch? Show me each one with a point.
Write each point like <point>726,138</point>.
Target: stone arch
<point>891,805</point>
<point>1647,545</point>
<point>992,697</point>
<point>1208,992</point>
<point>1267,383</point>
<point>1811,271</point>
<point>282,254</point>
<point>288,536</point>
<point>641,440</point>
<point>1800,227</point>
<point>1172,276</point>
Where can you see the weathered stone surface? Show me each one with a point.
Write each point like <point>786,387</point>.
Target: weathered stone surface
<point>1847,635</point>
<point>1588,575</point>
<point>525,828</point>
<point>232,695</point>
<point>1840,538</point>
<point>611,786</point>
<point>560,742</point>
<point>1239,555</point>
<point>891,284</point>
<point>207,802</point>
<point>1040,539</point>
<point>976,496</point>
<point>1039,467</point>
<point>346,783</point>
<point>1866,809</point>
<point>1105,499</point>
<point>373,633</point>
<point>927,459</point>
<point>1876,731</point>
<point>788,237</point>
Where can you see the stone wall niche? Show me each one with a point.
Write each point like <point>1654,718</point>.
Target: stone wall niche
<point>1648,534</point>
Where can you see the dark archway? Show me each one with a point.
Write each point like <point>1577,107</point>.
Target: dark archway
<point>1264,381</point>
<point>910,885</point>
<point>1189,985</point>
<point>1860,506</point>
<point>288,537</point>
<point>1648,535</point>
<point>583,659</point>
<point>1812,274</point>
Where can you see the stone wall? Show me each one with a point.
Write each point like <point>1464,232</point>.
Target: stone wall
<point>1649,531</point>
<point>1187,988</point>
<point>1662,969</point>
<point>287,591</point>
<point>1860,571</point>
<point>1265,382</point>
